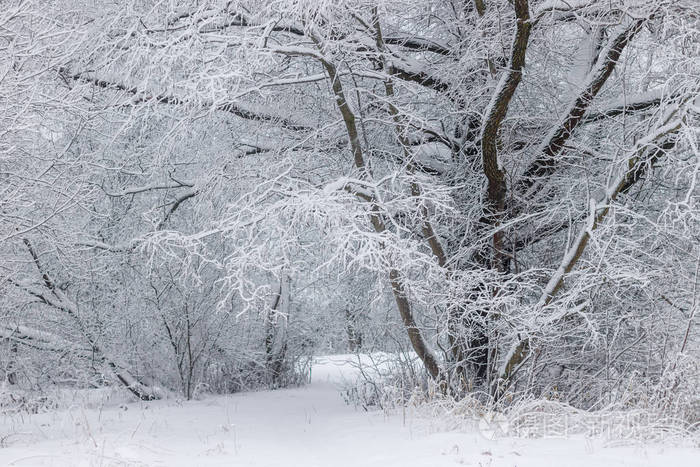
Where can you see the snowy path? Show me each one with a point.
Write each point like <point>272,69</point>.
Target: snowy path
<point>305,427</point>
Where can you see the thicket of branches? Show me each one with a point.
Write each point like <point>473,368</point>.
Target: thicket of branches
<point>198,195</point>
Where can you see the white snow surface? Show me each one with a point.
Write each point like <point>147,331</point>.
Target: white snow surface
<point>310,426</point>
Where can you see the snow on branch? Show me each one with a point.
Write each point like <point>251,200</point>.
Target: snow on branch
<point>628,105</point>
<point>239,109</point>
<point>53,296</point>
<point>418,43</point>
<point>645,153</point>
<point>40,340</point>
<point>146,188</point>
<point>554,143</point>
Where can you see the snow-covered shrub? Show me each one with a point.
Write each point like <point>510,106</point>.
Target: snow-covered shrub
<point>666,411</point>
<point>386,381</point>
<point>14,400</point>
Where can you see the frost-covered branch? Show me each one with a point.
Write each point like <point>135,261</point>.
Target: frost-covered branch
<point>645,154</point>
<point>140,96</point>
<point>546,161</point>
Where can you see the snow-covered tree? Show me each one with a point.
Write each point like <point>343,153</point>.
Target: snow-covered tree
<point>521,176</point>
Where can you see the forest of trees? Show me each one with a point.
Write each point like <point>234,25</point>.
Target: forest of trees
<point>197,196</point>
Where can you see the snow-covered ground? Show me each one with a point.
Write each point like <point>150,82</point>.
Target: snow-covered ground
<point>305,427</point>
